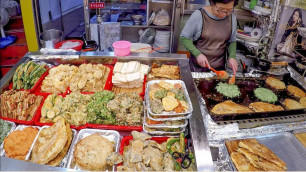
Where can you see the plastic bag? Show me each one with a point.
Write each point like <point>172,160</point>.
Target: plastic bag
<point>162,18</point>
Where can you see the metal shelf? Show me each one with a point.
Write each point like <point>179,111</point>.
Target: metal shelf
<point>161,1</point>
<point>145,26</point>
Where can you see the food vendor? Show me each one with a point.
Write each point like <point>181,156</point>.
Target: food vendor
<point>208,33</point>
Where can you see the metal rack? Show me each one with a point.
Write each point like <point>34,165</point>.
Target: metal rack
<point>196,128</point>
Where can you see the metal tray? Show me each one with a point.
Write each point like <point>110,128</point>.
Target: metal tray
<point>21,127</point>
<point>246,85</point>
<point>162,133</point>
<point>285,146</point>
<point>147,97</point>
<point>109,134</point>
<point>170,118</point>
<point>300,131</point>
<point>162,125</point>
<point>11,130</point>
<point>65,159</point>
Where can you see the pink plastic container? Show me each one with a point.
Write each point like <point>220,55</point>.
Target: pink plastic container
<point>122,48</point>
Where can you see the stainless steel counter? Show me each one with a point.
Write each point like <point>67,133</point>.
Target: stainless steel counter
<point>197,129</point>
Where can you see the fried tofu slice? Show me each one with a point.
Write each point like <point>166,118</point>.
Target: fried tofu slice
<point>242,163</point>
<point>265,107</point>
<point>229,107</point>
<point>259,149</point>
<point>275,83</point>
<point>259,162</point>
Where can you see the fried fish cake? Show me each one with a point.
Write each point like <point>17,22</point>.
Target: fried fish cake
<point>50,142</point>
<point>292,104</point>
<point>229,107</point>
<point>57,160</point>
<point>295,91</point>
<point>18,143</point>
<point>275,83</point>
<point>169,103</point>
<point>91,152</point>
<point>265,107</point>
<point>303,101</point>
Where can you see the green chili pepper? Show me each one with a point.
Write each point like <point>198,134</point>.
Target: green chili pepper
<point>170,142</point>
<point>182,142</point>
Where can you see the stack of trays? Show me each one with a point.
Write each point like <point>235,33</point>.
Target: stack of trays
<point>169,123</point>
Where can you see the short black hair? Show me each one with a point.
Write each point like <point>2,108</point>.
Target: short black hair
<point>212,2</point>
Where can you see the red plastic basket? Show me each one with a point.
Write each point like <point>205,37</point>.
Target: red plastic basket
<point>115,127</point>
<point>33,89</point>
<point>37,119</point>
<point>31,122</point>
<point>126,141</point>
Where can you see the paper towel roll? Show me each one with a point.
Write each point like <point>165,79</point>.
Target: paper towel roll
<point>256,33</point>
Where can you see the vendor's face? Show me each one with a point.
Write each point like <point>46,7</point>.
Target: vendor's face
<point>222,10</point>
<point>296,16</point>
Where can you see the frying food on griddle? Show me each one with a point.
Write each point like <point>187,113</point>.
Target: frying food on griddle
<point>250,155</point>
<point>295,91</point>
<point>19,105</point>
<point>51,142</point>
<point>275,83</point>
<point>228,90</point>
<point>229,107</point>
<point>165,96</point>
<point>5,129</point>
<point>265,95</point>
<point>292,104</point>
<point>164,72</point>
<point>91,152</point>
<point>242,163</point>
<point>18,143</point>
<point>27,74</point>
<point>301,137</point>
<point>265,107</point>
<point>303,101</point>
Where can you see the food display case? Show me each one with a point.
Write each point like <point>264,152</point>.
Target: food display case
<point>195,130</point>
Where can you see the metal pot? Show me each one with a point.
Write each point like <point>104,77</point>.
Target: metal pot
<point>49,38</point>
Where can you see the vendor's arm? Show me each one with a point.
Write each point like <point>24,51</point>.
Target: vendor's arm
<point>232,47</point>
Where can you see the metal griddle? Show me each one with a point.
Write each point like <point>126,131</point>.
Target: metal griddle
<point>246,85</point>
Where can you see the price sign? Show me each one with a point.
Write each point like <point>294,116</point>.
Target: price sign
<point>97,5</point>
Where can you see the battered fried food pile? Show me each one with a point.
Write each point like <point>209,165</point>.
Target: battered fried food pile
<point>52,143</point>
<point>19,105</point>
<point>165,96</point>
<point>275,83</point>
<point>91,152</point>
<point>164,72</point>
<point>18,143</point>
<point>250,155</point>
<point>86,77</point>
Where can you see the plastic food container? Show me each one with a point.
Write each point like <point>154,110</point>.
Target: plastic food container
<point>122,48</point>
<point>77,48</point>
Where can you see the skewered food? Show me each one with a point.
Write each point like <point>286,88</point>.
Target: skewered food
<point>265,107</point>
<point>27,74</point>
<point>303,101</point>
<point>301,137</point>
<point>164,72</point>
<point>19,105</point>
<point>229,107</point>
<point>91,152</point>
<point>165,96</point>
<point>275,83</point>
<point>295,91</point>
<point>51,142</point>
<point>5,129</point>
<point>228,90</point>
<point>18,143</point>
<point>265,95</point>
<point>242,163</point>
<point>292,104</point>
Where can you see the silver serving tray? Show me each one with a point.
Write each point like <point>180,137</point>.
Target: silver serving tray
<point>11,130</point>
<point>65,159</point>
<point>170,118</point>
<point>147,98</point>
<point>162,125</point>
<point>162,133</point>
<point>21,127</point>
<point>109,134</point>
<point>299,131</point>
<point>285,146</point>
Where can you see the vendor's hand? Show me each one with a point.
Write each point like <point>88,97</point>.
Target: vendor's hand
<point>233,64</point>
<point>202,61</point>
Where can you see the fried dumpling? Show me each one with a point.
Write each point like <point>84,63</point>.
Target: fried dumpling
<point>265,107</point>
<point>295,91</point>
<point>275,83</point>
